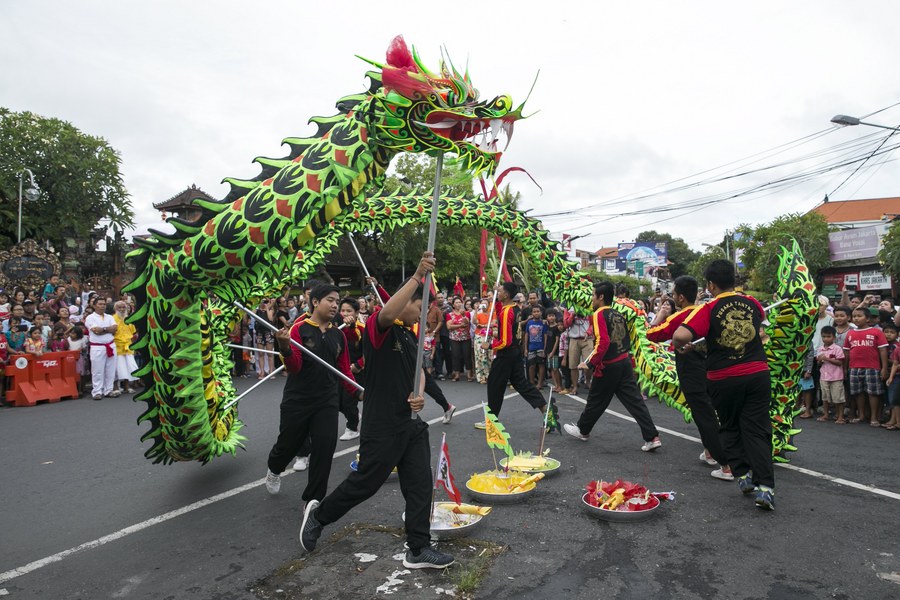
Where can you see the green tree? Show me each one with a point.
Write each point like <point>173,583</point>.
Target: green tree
<point>457,248</point>
<point>78,175</point>
<point>680,254</point>
<point>889,255</point>
<point>761,246</point>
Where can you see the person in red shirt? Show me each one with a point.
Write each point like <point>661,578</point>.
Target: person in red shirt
<point>738,378</point>
<point>507,367</point>
<point>691,369</point>
<point>613,373</point>
<point>391,433</point>
<point>309,405</point>
<point>865,349</point>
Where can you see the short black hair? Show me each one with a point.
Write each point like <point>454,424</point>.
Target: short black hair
<point>511,288</point>
<point>687,286</point>
<point>721,273</point>
<point>888,325</point>
<point>605,290</point>
<point>538,307</point>
<point>829,330</point>
<point>311,283</point>
<point>322,290</point>
<point>622,290</point>
<point>844,309</point>
<point>351,302</point>
<point>417,294</point>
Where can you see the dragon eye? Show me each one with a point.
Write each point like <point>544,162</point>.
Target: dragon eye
<point>503,102</point>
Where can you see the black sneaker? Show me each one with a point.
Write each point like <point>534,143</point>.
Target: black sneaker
<point>310,529</point>
<point>427,558</point>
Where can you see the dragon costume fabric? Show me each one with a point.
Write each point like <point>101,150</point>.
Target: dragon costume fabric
<point>282,224</point>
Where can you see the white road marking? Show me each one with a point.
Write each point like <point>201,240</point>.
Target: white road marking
<point>34,566</point>
<point>838,480</point>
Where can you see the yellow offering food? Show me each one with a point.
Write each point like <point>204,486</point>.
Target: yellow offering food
<point>526,463</point>
<point>496,482</point>
<point>466,509</point>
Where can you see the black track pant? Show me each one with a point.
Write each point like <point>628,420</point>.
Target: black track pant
<point>618,379</point>
<point>707,423</point>
<point>298,423</point>
<point>742,404</point>
<point>407,450</point>
<point>507,368</point>
<point>349,408</point>
<point>433,389</point>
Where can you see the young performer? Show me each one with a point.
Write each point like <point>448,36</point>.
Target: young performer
<point>353,332</point>
<point>309,406</point>
<point>389,436</point>
<point>613,373</point>
<point>738,379</point>
<point>691,369</point>
<point>507,366</point>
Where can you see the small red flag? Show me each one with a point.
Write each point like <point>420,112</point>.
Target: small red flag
<point>444,477</point>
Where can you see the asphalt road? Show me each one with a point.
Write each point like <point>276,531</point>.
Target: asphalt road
<point>85,516</point>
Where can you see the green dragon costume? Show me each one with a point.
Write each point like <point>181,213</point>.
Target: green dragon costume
<point>284,223</point>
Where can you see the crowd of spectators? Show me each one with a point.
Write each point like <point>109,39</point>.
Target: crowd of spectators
<point>53,319</point>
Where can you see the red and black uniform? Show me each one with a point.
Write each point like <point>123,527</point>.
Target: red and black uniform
<point>613,374</point>
<point>738,381</point>
<point>507,367</point>
<point>389,436</point>
<point>349,403</point>
<point>691,369</point>
<point>309,406</point>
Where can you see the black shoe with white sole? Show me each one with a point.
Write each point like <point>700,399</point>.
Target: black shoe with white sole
<point>310,529</point>
<point>427,558</point>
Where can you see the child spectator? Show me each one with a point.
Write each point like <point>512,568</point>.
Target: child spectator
<point>4,306</point>
<point>830,357</point>
<point>77,342</point>
<point>866,349</point>
<point>124,335</point>
<point>59,343</point>
<point>807,386</point>
<point>34,343</point>
<point>428,358</point>
<point>15,337</point>
<point>536,340</point>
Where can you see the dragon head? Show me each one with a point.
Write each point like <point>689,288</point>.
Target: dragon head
<point>415,110</point>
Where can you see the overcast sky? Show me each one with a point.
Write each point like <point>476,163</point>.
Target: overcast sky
<point>631,96</point>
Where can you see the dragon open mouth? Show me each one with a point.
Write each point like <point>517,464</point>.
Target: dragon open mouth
<point>484,134</point>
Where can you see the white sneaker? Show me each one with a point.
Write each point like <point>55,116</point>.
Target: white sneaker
<point>723,475</point>
<point>114,394</point>
<point>651,445</point>
<point>572,429</point>
<point>448,414</point>
<point>708,459</point>
<point>348,435</point>
<point>302,463</point>
<point>273,482</point>
<point>480,425</point>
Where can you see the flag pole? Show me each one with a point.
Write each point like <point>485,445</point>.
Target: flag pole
<point>363,265</point>
<point>496,283</point>
<point>426,289</point>
<point>546,419</point>
<point>436,474</point>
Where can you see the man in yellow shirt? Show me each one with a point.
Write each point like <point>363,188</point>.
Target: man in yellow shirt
<point>125,363</point>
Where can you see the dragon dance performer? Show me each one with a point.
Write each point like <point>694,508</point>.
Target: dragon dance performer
<point>507,367</point>
<point>691,369</point>
<point>353,332</point>
<point>389,437</point>
<point>309,406</point>
<point>738,378</point>
<point>431,385</point>
<point>613,373</point>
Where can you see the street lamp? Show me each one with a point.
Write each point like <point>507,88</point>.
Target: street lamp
<point>32,194</point>
<point>847,121</point>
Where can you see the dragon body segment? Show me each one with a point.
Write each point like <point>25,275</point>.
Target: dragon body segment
<point>254,234</point>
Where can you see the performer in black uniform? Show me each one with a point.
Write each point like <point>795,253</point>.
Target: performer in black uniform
<point>309,406</point>
<point>389,436</point>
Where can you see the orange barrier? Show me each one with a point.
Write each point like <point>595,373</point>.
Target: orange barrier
<point>47,378</point>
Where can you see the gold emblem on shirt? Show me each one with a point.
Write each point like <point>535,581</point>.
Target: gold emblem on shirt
<point>737,330</point>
